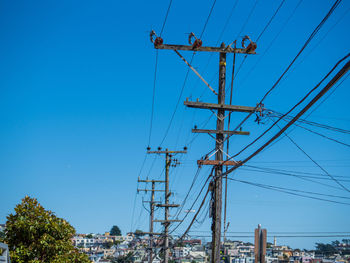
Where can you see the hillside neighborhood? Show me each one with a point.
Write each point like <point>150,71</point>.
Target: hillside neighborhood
<point>133,248</point>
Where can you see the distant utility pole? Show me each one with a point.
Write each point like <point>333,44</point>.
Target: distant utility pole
<point>220,108</point>
<point>166,205</point>
<point>151,213</point>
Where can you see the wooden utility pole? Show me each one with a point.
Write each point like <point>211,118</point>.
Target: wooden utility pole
<point>221,108</point>
<point>151,212</point>
<point>166,222</point>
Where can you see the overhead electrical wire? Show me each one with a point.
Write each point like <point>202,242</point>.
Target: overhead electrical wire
<point>294,175</point>
<point>315,108</point>
<point>166,17</point>
<point>312,35</point>
<point>194,202</point>
<point>311,123</point>
<point>155,74</point>
<point>330,84</point>
<point>322,135</point>
<point>261,33</point>
<point>188,192</point>
<point>321,176</point>
<point>186,77</point>
<point>287,191</point>
<point>268,23</point>
<point>295,106</point>
<point>134,205</point>
<point>316,30</point>
<point>153,97</point>
<point>316,163</point>
<point>273,40</point>
<point>247,19</point>
<point>279,232</point>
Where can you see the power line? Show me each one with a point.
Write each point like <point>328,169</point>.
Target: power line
<point>268,23</point>
<point>316,163</point>
<point>261,33</point>
<point>287,191</point>
<point>155,74</point>
<point>188,192</point>
<point>153,97</point>
<point>278,232</point>
<point>194,202</point>
<point>322,135</point>
<point>312,35</point>
<point>166,17</point>
<point>316,30</point>
<point>133,210</point>
<point>305,178</point>
<point>247,19</point>
<point>289,172</point>
<point>302,191</point>
<point>295,106</point>
<point>330,84</point>
<point>280,236</point>
<point>314,109</point>
<point>186,77</point>
<point>273,40</point>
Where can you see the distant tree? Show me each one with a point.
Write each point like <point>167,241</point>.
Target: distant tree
<point>325,249</point>
<point>335,243</point>
<point>2,236</point>
<point>115,231</point>
<point>108,244</point>
<point>346,241</point>
<point>89,236</point>
<point>139,233</point>
<point>36,235</point>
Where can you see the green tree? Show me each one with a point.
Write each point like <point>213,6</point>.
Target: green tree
<point>36,235</point>
<point>139,233</point>
<point>2,236</point>
<point>326,249</point>
<point>115,231</point>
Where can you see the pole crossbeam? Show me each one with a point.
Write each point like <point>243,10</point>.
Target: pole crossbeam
<point>221,106</point>
<point>225,50</point>
<point>166,152</point>
<point>150,181</point>
<point>223,132</point>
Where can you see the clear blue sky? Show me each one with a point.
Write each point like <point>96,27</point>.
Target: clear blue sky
<point>75,105</point>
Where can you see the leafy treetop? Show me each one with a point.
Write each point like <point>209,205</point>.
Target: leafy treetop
<point>115,231</point>
<point>35,235</point>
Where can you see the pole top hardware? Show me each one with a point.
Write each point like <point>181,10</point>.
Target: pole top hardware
<point>197,43</point>
<point>156,40</point>
<point>252,45</point>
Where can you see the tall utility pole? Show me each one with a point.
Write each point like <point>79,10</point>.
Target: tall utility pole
<point>221,108</point>
<point>151,214</point>
<point>166,222</point>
